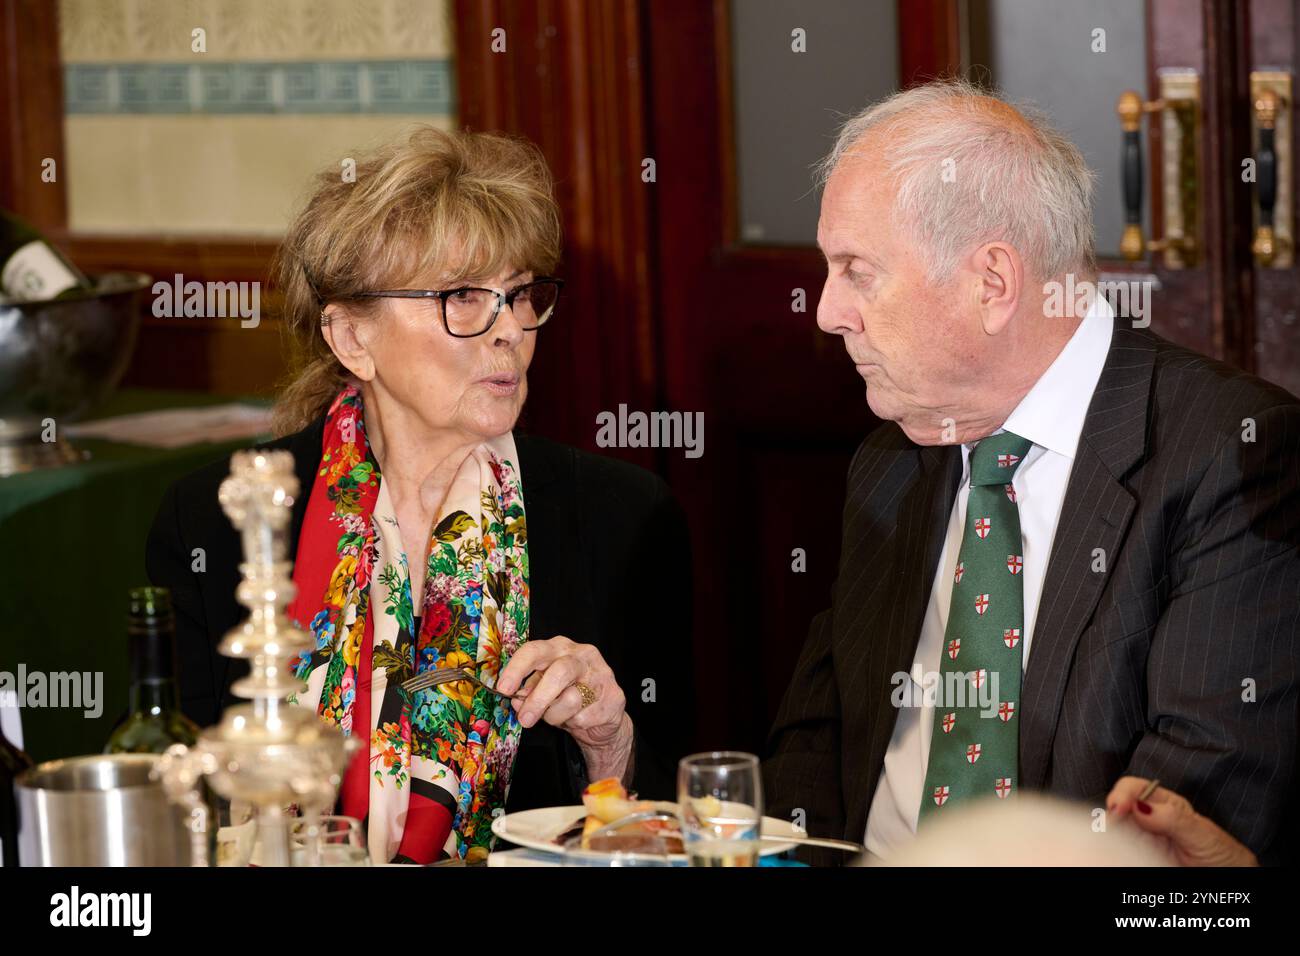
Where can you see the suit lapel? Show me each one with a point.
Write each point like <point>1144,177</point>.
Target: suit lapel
<point>922,521</point>
<point>1095,517</point>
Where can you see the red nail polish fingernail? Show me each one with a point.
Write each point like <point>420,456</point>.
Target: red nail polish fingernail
<point>1144,806</point>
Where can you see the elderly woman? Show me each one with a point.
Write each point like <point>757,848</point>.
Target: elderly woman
<point>429,534</point>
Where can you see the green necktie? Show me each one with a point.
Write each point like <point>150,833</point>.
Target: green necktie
<point>974,745</point>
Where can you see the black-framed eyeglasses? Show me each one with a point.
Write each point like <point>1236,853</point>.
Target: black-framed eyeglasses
<point>468,311</point>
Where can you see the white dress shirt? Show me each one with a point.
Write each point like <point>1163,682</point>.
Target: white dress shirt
<point>1051,416</point>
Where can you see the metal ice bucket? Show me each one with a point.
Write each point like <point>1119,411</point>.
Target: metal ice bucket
<point>59,359</point>
<point>98,811</point>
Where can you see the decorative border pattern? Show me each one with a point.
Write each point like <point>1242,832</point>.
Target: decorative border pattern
<point>355,86</point>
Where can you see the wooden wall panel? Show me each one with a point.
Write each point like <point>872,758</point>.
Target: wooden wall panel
<point>571,80</point>
<point>31,109</point>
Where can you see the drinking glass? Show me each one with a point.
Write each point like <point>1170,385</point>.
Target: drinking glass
<point>328,841</point>
<point>720,803</point>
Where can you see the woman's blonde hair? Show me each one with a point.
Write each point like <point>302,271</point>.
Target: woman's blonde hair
<point>456,205</point>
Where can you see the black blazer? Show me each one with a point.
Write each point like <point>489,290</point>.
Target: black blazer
<point>1138,669</point>
<point>610,565</point>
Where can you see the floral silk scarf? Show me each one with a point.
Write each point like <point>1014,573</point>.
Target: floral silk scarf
<point>439,761</point>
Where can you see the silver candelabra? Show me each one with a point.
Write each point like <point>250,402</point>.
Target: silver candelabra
<point>267,754</point>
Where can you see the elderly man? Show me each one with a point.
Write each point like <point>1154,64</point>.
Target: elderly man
<point>1069,556</point>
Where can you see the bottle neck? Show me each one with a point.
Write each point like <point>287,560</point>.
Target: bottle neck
<point>154,696</point>
<point>153,670</point>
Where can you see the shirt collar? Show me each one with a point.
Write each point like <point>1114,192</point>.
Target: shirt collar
<point>1052,413</point>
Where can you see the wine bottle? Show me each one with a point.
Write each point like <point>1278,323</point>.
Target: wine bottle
<point>154,721</point>
<point>12,762</point>
<point>30,268</point>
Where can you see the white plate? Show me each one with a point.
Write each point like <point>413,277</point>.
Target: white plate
<point>536,829</point>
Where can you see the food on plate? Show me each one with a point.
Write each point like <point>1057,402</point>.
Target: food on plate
<point>706,808</point>
<point>607,801</point>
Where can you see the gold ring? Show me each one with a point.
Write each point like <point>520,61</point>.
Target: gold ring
<point>588,695</point>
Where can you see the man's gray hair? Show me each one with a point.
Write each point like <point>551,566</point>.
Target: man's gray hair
<point>970,168</point>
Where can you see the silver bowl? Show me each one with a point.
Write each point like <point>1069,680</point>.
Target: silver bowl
<point>59,359</point>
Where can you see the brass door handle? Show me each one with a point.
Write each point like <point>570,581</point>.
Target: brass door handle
<point>1270,95</point>
<point>1179,107</point>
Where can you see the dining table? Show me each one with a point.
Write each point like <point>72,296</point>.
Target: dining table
<point>75,537</point>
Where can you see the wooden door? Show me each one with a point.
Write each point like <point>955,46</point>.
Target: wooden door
<point>1271,281</point>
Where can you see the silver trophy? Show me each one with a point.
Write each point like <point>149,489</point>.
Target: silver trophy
<point>267,755</point>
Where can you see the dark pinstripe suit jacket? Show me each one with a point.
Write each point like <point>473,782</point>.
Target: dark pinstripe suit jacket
<point>1178,661</point>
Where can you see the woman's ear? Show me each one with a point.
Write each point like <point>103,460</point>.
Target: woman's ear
<point>343,334</point>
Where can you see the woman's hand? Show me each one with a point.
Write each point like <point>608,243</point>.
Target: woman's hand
<point>1189,838</point>
<point>602,729</point>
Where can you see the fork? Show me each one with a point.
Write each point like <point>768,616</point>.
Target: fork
<point>448,675</point>
<point>638,817</point>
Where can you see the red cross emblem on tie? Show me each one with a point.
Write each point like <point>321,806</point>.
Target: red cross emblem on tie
<point>1002,787</point>
<point>1011,636</point>
<point>1006,709</point>
<point>1014,563</point>
<point>973,752</point>
<point>977,678</point>
<point>1006,461</point>
<point>1011,494</point>
<point>940,795</point>
<point>953,647</point>
<point>961,569</point>
<point>949,722</point>
<point>982,527</point>
<point>981,603</point>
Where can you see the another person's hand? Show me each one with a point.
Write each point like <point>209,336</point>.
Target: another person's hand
<point>1189,838</point>
<point>559,667</point>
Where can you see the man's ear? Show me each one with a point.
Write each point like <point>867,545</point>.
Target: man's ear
<point>343,333</point>
<point>1000,274</point>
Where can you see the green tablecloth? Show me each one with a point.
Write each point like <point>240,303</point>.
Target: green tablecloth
<point>74,541</point>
